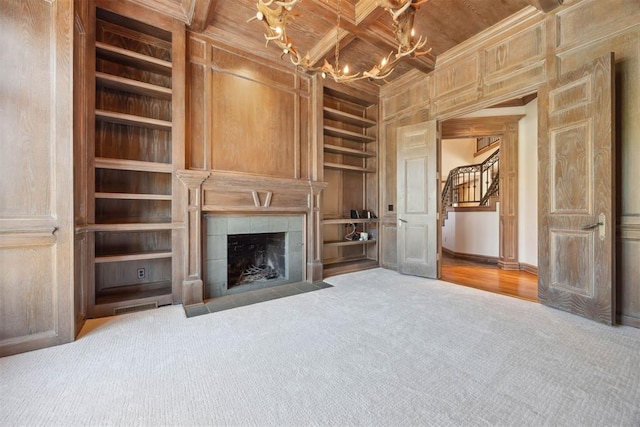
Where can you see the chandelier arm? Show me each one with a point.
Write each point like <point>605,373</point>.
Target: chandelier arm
<point>277,18</point>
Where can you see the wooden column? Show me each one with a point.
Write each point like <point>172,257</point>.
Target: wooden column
<point>508,252</point>
<point>314,233</point>
<point>192,286</point>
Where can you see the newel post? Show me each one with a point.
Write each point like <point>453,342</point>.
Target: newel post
<point>192,286</point>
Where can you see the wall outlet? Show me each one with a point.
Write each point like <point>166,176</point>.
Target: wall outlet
<point>141,273</point>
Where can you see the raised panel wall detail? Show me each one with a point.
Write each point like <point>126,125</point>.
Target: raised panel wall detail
<point>575,249</point>
<point>36,175</point>
<point>414,249</point>
<point>26,125</point>
<point>572,169</point>
<point>28,294</point>
<point>416,174</point>
<point>457,84</point>
<point>513,53</point>
<point>595,18</point>
<point>252,127</point>
<point>515,63</point>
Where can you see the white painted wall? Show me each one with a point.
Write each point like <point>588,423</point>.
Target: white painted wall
<point>456,152</point>
<point>473,233</point>
<point>528,185</point>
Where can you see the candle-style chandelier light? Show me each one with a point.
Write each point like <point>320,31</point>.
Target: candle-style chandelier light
<point>278,15</point>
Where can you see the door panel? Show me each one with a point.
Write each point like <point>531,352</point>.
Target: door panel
<point>418,201</point>
<point>576,187</point>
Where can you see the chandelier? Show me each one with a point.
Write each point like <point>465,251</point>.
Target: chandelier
<point>278,15</point>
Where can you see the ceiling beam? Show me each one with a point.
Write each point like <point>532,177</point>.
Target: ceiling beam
<point>202,15</point>
<point>328,43</point>
<point>365,13</point>
<point>546,5</point>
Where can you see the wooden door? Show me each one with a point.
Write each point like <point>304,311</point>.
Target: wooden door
<point>418,200</point>
<point>576,192</point>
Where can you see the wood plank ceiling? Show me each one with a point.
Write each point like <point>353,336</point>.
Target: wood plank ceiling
<point>369,29</point>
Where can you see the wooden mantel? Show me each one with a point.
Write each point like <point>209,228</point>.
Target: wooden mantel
<point>228,192</point>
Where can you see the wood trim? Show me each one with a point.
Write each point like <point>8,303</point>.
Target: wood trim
<point>505,265</point>
<point>628,321</point>
<point>484,259</point>
<point>533,269</point>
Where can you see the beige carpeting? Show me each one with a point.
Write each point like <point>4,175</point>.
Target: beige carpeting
<point>378,348</point>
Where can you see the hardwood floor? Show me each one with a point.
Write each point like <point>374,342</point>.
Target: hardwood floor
<point>519,284</point>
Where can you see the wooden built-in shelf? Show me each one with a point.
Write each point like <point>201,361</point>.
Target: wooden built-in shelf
<point>132,86</point>
<point>131,226</point>
<point>348,242</point>
<point>351,168</point>
<point>137,292</point>
<point>133,196</point>
<point>346,134</point>
<point>135,223</point>
<point>131,120</point>
<point>133,257</point>
<point>352,119</point>
<point>132,165</point>
<point>336,149</point>
<point>134,59</point>
<point>350,221</point>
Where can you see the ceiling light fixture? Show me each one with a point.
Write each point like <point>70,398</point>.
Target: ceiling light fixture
<point>276,19</point>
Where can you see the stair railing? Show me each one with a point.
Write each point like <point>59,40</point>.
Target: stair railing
<point>472,184</point>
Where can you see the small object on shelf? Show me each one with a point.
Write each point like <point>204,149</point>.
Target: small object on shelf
<point>352,235</point>
<point>355,214</point>
<point>364,236</point>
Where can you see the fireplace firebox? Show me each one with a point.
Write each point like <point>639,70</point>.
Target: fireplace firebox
<point>255,257</point>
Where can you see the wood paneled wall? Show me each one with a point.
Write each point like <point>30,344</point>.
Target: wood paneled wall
<point>36,153</point>
<point>244,115</point>
<point>513,59</point>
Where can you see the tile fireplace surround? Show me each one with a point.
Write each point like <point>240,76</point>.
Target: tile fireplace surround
<point>256,202</point>
<point>218,227</point>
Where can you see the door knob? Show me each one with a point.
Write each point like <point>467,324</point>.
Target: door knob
<point>601,222</point>
<point>590,226</point>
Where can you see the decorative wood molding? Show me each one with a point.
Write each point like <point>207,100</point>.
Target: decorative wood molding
<point>533,269</point>
<point>629,228</point>
<point>193,179</point>
<point>471,127</point>
<point>628,321</point>
<point>484,259</point>
<point>546,5</point>
<point>500,31</point>
<point>33,236</point>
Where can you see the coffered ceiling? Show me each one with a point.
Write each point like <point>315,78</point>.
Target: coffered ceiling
<point>369,32</point>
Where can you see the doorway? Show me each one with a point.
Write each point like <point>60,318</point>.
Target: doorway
<point>478,247</point>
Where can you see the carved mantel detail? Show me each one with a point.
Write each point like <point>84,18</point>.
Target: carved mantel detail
<point>227,192</point>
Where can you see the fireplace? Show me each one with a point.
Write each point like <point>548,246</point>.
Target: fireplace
<point>245,253</point>
<point>255,258</point>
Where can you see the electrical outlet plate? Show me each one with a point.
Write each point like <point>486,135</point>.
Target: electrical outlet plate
<point>141,273</point>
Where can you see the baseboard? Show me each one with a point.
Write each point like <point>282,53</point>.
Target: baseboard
<point>484,259</point>
<point>529,268</point>
<point>509,265</point>
<point>629,321</point>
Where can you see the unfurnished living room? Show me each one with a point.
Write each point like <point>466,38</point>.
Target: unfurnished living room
<point>320,212</point>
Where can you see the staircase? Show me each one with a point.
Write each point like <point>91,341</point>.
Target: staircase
<point>472,185</point>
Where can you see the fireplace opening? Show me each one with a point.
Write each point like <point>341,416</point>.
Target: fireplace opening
<point>255,258</point>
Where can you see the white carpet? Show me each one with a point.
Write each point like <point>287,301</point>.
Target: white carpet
<point>376,349</point>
